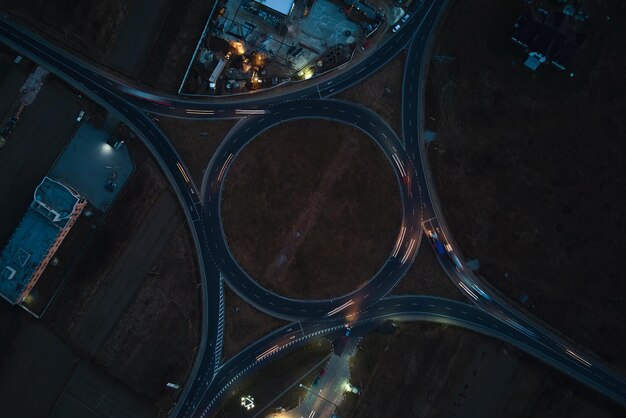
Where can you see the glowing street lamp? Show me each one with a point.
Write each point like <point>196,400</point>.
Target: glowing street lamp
<point>247,402</point>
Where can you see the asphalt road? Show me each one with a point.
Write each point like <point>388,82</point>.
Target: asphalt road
<point>209,380</point>
<point>405,248</point>
<point>398,308</point>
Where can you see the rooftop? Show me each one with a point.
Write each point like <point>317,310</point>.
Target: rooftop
<point>94,168</point>
<point>36,233</point>
<point>550,35</point>
<point>281,6</point>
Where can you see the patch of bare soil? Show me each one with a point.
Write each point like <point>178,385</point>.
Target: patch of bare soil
<point>153,342</point>
<point>140,193</point>
<point>311,209</point>
<point>426,277</point>
<point>382,92</point>
<point>244,324</point>
<point>431,370</point>
<point>529,166</point>
<point>177,40</point>
<point>196,141</point>
<point>87,26</point>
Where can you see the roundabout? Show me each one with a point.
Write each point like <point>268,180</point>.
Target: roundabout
<point>211,378</point>
<point>405,243</point>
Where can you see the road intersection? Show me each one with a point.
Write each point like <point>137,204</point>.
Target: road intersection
<point>210,380</point>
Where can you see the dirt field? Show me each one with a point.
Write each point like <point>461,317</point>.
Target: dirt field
<point>177,40</point>
<point>153,343</point>
<point>426,277</point>
<point>196,141</point>
<point>426,371</point>
<point>529,166</point>
<point>87,26</point>
<point>311,200</point>
<point>42,377</point>
<point>244,324</point>
<point>148,322</point>
<point>157,55</point>
<point>137,35</point>
<point>382,92</point>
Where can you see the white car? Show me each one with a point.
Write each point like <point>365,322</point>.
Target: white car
<point>395,28</point>
<point>405,17</point>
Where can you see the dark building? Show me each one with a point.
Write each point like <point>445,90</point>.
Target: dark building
<point>547,37</point>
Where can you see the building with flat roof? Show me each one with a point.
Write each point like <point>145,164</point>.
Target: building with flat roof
<point>281,6</point>
<point>48,219</point>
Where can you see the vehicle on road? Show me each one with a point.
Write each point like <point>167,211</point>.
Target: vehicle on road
<point>405,17</point>
<point>434,238</point>
<point>456,261</point>
<point>396,28</point>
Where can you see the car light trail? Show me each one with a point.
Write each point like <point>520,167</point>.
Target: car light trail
<point>250,112</point>
<point>340,308</point>
<point>518,327</point>
<point>182,171</point>
<point>468,291</point>
<point>199,112</point>
<point>400,166</point>
<point>408,251</point>
<point>219,177</point>
<point>267,352</point>
<point>396,248</point>
<point>577,357</point>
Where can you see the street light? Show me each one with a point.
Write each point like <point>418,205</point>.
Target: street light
<point>247,402</point>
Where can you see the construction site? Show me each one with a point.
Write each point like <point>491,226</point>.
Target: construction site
<point>250,45</point>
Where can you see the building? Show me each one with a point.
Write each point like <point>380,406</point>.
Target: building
<point>281,6</point>
<point>41,231</point>
<point>547,37</point>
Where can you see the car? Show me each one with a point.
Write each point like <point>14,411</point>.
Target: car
<point>395,28</point>
<point>348,329</point>
<point>316,381</point>
<point>80,116</point>
<point>405,17</point>
<point>323,372</point>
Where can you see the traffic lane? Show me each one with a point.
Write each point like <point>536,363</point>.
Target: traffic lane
<point>75,75</point>
<point>471,317</point>
<point>314,88</point>
<point>472,288</point>
<point>413,308</point>
<point>404,250</point>
<point>252,357</point>
<point>221,107</point>
<point>160,147</point>
<point>386,52</point>
<point>479,295</point>
<point>463,279</point>
<point>153,138</point>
